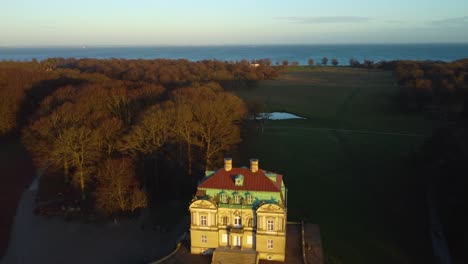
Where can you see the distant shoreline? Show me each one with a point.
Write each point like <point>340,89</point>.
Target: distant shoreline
<point>300,53</point>
<point>224,45</point>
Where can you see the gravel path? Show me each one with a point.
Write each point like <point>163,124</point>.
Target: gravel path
<point>350,131</point>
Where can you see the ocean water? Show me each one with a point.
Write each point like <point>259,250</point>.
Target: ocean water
<point>277,53</point>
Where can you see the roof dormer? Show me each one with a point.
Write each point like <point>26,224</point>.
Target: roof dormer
<point>239,180</point>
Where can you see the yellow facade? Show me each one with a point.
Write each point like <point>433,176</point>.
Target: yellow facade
<point>262,229</point>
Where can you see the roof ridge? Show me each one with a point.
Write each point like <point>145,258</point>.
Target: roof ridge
<point>253,181</point>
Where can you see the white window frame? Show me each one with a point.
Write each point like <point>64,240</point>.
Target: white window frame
<point>223,198</point>
<point>237,220</point>
<point>237,241</point>
<point>204,239</point>
<point>203,220</point>
<point>249,199</point>
<point>270,225</point>
<point>237,199</point>
<point>270,243</point>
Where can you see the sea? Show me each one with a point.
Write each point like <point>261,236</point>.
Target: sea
<point>277,53</point>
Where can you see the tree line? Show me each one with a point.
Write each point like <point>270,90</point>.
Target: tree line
<point>441,90</point>
<point>126,132</point>
<point>173,73</point>
<point>435,87</point>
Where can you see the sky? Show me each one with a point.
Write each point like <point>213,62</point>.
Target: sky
<point>226,22</point>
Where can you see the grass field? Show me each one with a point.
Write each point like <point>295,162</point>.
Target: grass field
<point>359,186</point>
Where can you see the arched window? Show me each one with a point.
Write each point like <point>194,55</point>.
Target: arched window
<point>250,222</point>
<point>237,221</point>
<point>224,220</point>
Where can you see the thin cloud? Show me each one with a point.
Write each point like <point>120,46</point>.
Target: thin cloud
<point>400,22</point>
<point>454,21</point>
<point>326,19</point>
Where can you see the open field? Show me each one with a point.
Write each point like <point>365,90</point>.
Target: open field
<point>347,166</point>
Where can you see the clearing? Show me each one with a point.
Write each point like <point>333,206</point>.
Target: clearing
<point>347,166</point>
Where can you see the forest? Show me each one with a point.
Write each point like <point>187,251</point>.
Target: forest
<point>433,87</point>
<point>440,91</point>
<point>124,133</point>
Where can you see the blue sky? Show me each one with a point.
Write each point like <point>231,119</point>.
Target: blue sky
<point>210,22</point>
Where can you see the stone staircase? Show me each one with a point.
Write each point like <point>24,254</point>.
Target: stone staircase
<point>227,255</point>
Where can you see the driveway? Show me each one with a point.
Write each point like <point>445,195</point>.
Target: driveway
<point>38,239</point>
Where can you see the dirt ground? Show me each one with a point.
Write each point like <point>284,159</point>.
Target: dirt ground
<point>16,173</point>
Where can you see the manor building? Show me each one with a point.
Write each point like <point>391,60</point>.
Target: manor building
<point>241,214</point>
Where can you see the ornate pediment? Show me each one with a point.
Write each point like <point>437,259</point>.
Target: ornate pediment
<point>270,208</point>
<point>202,204</point>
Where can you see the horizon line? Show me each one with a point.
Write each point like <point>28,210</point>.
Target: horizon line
<point>84,46</point>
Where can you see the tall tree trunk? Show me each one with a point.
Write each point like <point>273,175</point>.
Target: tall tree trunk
<point>82,185</point>
<point>157,174</point>
<point>66,171</point>
<point>189,156</point>
<point>208,156</point>
<point>121,198</point>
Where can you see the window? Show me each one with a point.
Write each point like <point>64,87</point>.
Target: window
<point>203,239</point>
<point>269,243</point>
<point>236,199</point>
<point>239,180</point>
<point>270,225</point>
<point>250,222</point>
<point>203,221</point>
<point>223,198</point>
<point>224,220</point>
<point>249,199</point>
<point>224,238</point>
<point>237,221</point>
<point>237,241</point>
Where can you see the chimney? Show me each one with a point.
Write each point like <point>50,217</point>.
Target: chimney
<point>227,164</point>
<point>253,165</point>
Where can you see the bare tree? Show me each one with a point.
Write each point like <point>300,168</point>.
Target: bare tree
<point>217,116</point>
<point>185,126</point>
<point>149,134</point>
<point>69,139</point>
<point>118,189</point>
<point>334,62</point>
<point>324,61</point>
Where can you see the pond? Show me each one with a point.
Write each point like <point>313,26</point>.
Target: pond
<point>279,116</point>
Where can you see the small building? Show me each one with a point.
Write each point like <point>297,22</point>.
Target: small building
<point>240,211</point>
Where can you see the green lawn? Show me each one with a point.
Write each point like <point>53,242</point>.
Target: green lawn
<point>360,188</point>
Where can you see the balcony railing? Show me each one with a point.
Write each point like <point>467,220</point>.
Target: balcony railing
<point>237,229</point>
